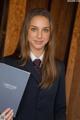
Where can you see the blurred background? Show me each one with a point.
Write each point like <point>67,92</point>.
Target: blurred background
<point>66,16</point>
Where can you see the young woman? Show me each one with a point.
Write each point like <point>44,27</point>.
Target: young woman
<point>44,96</point>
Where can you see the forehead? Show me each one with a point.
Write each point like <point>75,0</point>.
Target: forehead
<point>40,20</point>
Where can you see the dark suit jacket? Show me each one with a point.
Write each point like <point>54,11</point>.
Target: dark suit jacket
<point>37,103</point>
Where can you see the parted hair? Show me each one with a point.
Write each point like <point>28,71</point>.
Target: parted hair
<point>49,70</point>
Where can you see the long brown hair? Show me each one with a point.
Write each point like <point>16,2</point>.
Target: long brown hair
<point>49,70</point>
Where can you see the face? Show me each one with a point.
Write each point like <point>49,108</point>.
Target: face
<point>38,33</point>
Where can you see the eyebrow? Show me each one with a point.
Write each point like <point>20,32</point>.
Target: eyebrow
<point>43,27</point>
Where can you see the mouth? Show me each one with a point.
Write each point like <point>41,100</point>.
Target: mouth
<point>38,42</point>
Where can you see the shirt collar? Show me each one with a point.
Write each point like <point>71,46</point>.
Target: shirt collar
<point>33,57</point>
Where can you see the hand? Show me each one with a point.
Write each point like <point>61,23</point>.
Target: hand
<point>7,114</point>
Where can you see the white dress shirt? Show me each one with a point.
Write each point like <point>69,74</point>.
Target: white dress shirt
<point>33,57</point>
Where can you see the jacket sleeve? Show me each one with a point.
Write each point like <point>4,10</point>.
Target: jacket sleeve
<point>60,101</point>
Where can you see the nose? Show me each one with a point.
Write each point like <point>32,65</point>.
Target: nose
<point>39,34</point>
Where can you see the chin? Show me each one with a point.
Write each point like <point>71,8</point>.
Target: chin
<point>39,47</point>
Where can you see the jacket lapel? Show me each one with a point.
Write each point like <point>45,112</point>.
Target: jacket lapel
<point>30,68</point>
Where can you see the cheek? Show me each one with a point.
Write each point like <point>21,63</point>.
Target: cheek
<point>47,38</point>
<point>30,36</point>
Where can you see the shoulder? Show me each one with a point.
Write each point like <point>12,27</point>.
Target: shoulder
<point>11,60</point>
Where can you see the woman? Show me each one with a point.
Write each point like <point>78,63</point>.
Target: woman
<point>44,97</point>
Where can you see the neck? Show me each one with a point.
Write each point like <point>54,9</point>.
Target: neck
<point>37,53</point>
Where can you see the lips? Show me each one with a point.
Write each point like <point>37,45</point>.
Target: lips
<point>38,42</point>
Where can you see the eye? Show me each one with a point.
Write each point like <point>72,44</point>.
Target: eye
<point>46,30</point>
<point>33,29</point>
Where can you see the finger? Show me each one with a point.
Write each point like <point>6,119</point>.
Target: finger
<point>9,115</point>
<point>9,118</point>
<point>6,111</point>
